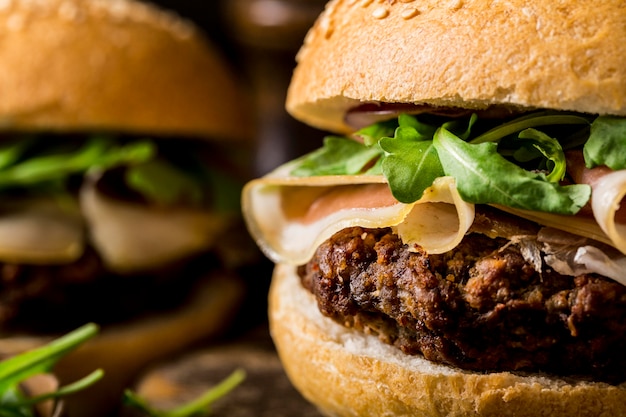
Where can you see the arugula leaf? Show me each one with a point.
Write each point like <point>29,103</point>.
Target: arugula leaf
<point>410,164</point>
<point>423,130</point>
<point>41,360</point>
<point>66,390</point>
<point>12,151</point>
<point>485,177</point>
<point>60,163</point>
<point>14,396</point>
<point>198,407</point>
<point>370,135</point>
<point>550,148</point>
<point>338,156</point>
<point>502,165</point>
<point>529,121</point>
<point>27,163</point>
<point>458,127</point>
<point>160,182</point>
<point>607,143</point>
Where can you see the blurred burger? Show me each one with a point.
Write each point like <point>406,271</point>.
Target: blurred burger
<point>125,139</point>
<point>461,251</point>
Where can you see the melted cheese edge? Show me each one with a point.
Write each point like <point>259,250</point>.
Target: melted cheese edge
<point>290,217</point>
<point>284,217</point>
<point>606,198</point>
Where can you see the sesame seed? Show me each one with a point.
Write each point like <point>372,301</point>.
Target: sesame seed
<point>409,13</point>
<point>380,13</point>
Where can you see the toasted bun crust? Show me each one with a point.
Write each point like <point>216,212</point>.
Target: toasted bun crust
<point>346,373</point>
<point>126,349</point>
<point>566,55</point>
<point>76,65</point>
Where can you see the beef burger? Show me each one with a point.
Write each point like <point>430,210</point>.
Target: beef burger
<point>459,251</point>
<point>123,142</point>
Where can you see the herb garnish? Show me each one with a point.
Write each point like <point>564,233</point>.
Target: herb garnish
<point>201,406</point>
<point>30,164</point>
<point>520,163</point>
<point>17,369</point>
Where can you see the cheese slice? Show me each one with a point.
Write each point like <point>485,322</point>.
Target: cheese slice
<point>290,217</point>
<point>606,198</point>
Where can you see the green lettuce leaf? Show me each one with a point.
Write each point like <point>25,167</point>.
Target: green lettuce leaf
<point>532,120</point>
<point>607,143</point>
<point>60,163</point>
<point>18,368</point>
<point>200,406</point>
<point>512,163</point>
<point>410,163</point>
<point>547,147</point>
<point>483,176</point>
<point>338,156</point>
<point>12,150</point>
<point>159,181</point>
<point>370,135</point>
<point>28,163</point>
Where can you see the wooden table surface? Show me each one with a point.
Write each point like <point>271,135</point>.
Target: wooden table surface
<point>265,392</point>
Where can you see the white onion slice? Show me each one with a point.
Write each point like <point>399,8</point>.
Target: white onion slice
<point>133,237</point>
<point>606,197</point>
<point>40,231</point>
<point>599,262</point>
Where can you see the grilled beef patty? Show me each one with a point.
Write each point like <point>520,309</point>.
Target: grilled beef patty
<point>478,307</point>
<point>59,298</point>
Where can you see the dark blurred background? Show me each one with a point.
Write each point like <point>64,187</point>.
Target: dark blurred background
<point>260,39</point>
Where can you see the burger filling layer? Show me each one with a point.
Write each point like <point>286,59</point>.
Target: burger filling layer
<point>487,243</point>
<point>481,306</point>
<point>58,298</point>
<point>103,227</point>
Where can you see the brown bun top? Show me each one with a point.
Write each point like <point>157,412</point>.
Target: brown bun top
<point>76,65</point>
<point>566,55</point>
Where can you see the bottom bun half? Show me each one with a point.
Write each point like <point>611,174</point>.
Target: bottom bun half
<point>124,350</point>
<point>345,373</point>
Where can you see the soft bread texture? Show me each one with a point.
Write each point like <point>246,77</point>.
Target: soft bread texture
<point>566,55</point>
<point>122,65</point>
<point>346,373</point>
<point>126,349</point>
